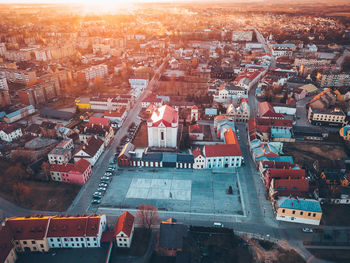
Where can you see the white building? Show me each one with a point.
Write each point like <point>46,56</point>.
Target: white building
<point>94,71</point>
<point>90,151</point>
<point>138,85</point>
<point>194,113</point>
<point>242,35</point>
<point>124,230</point>
<point>162,127</point>
<point>3,83</point>
<point>62,153</point>
<point>199,159</point>
<point>10,133</point>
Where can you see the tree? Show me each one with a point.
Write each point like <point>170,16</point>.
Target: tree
<point>45,168</point>
<point>17,173</point>
<point>20,192</point>
<point>147,215</point>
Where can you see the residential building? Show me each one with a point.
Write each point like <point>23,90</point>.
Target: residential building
<point>329,117</point>
<point>222,155</point>
<point>334,80</point>
<point>78,173</point>
<point>158,102</point>
<point>39,93</point>
<point>105,133</point>
<point>7,249</point>
<point>304,211</point>
<point>162,128</point>
<point>10,132</point>
<point>76,231</point>
<point>184,161</point>
<point>90,151</point>
<point>18,55</point>
<point>195,132</point>
<point>288,187</point>
<point>92,72</point>
<point>116,117</point>
<point>240,113</point>
<point>199,159</point>
<point>18,75</point>
<point>195,113</point>
<point>124,230</point>
<point>3,83</point>
<point>62,153</point>
<point>242,36</point>
<point>125,156</point>
<point>277,174</point>
<point>266,110</point>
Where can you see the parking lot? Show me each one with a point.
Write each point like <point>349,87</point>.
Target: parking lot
<point>170,189</point>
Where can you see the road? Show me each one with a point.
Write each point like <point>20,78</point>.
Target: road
<point>82,202</point>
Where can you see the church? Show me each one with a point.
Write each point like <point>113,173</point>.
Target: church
<point>162,128</point>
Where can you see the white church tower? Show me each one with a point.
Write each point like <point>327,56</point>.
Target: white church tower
<point>162,128</point>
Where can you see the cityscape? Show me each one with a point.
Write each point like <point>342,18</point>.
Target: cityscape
<point>175,131</point>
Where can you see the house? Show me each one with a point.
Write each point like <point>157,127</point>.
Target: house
<point>198,159</point>
<point>162,128</point>
<point>266,110</point>
<point>323,100</point>
<point>64,132</point>
<point>103,132</point>
<point>334,194</point>
<point>304,211</point>
<point>62,153</point>
<point>195,132</point>
<point>240,113</point>
<point>310,133</point>
<point>278,174</point>
<point>263,151</point>
<point>48,129</point>
<point>75,231</point>
<point>7,249</point>
<point>124,230</point>
<point>78,173</point>
<point>170,238</point>
<point>222,155</point>
<point>124,157</point>
<point>264,165</point>
<point>33,130</point>
<point>90,151</point>
<point>10,133</point>
<point>117,117</point>
<point>29,232</point>
<point>288,187</point>
<point>151,100</point>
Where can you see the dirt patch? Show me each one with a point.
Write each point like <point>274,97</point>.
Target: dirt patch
<point>141,137</point>
<point>305,153</point>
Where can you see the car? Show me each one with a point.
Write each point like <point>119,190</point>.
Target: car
<point>218,225</point>
<point>97,193</point>
<point>108,173</point>
<point>101,189</point>
<point>307,230</point>
<point>95,201</point>
<point>103,185</point>
<point>98,197</point>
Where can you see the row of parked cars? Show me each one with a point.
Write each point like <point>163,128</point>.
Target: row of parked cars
<point>102,186</point>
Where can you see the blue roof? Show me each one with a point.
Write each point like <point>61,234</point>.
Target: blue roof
<point>153,157</point>
<point>280,133</point>
<point>210,111</point>
<point>2,114</point>
<point>18,112</point>
<point>301,204</point>
<point>185,158</point>
<point>282,159</point>
<point>169,158</point>
<point>346,129</point>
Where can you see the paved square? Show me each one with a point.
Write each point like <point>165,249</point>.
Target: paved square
<point>194,191</point>
<point>160,189</point>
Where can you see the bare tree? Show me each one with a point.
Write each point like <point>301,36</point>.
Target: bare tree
<point>147,215</point>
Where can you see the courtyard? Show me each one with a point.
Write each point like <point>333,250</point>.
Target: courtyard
<point>179,190</point>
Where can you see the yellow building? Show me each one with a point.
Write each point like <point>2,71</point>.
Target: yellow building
<point>304,211</point>
<point>83,103</point>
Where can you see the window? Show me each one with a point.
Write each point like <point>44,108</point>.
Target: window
<point>314,214</point>
<point>76,239</point>
<point>308,214</point>
<point>283,210</point>
<point>94,238</point>
<point>95,244</point>
<point>72,245</point>
<point>301,213</point>
<point>162,136</point>
<point>125,239</point>
<point>24,242</point>
<point>34,248</point>
<point>81,239</point>
<point>293,212</point>
<point>41,245</point>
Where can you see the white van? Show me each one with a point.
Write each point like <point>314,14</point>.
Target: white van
<point>218,225</point>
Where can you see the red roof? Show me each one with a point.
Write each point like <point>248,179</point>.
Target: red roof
<point>285,173</point>
<point>218,150</point>
<point>81,166</point>
<point>230,137</point>
<point>74,226</point>
<point>99,121</point>
<point>24,228</point>
<point>119,113</point>
<point>266,110</point>
<point>277,164</point>
<point>91,147</point>
<point>124,224</point>
<point>291,185</point>
<point>62,168</point>
<point>166,115</point>
<point>196,152</point>
<point>195,128</point>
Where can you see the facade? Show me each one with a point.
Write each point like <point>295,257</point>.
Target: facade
<point>196,132</point>
<point>18,75</point>
<point>93,72</point>
<point>90,151</point>
<point>105,133</point>
<point>242,36</point>
<point>335,117</point>
<point>124,230</point>
<point>162,128</point>
<point>62,152</point>
<point>304,211</point>
<point>117,117</point>
<point>39,93</point>
<point>194,113</point>
<point>240,113</point>
<point>199,159</point>
<point>125,158</point>
<point>222,156</point>
<point>266,110</point>
<point>78,173</point>
<point>10,133</point>
<point>334,80</point>
<point>3,83</point>
<point>19,114</point>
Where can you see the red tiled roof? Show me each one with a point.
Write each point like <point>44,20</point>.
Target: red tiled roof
<point>28,228</point>
<point>277,164</point>
<point>195,128</point>
<point>63,168</point>
<point>124,224</point>
<point>266,110</point>
<point>80,166</point>
<point>74,226</point>
<point>119,113</point>
<point>99,121</point>
<point>285,173</point>
<point>166,115</point>
<point>196,152</point>
<point>5,243</point>
<point>107,236</point>
<point>292,185</point>
<point>217,150</point>
<point>91,147</point>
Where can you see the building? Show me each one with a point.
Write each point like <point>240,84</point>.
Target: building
<point>170,238</point>
<point>125,156</point>
<point>222,155</point>
<point>18,75</point>
<point>3,83</point>
<point>90,151</point>
<point>242,36</point>
<point>151,100</point>
<point>195,132</point>
<point>328,117</point>
<point>198,159</point>
<point>304,211</point>
<point>184,161</point>
<point>116,117</point>
<point>283,173</point>
<point>62,153</point>
<point>345,132</point>
<point>10,133</point>
<point>105,133</point>
<point>19,114</point>
<point>334,80</point>
<point>240,113</point>
<point>78,173</point>
<point>162,128</point>
<point>194,113</point>
<point>289,187</point>
<point>18,55</point>
<point>76,231</point>
<point>39,93</point>
<point>7,249</point>
<point>266,110</point>
<point>124,230</point>
<point>92,72</point>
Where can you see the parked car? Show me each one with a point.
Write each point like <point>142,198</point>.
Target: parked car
<point>98,197</point>
<point>101,189</point>
<point>108,173</point>
<point>307,230</point>
<point>96,201</point>
<point>103,185</point>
